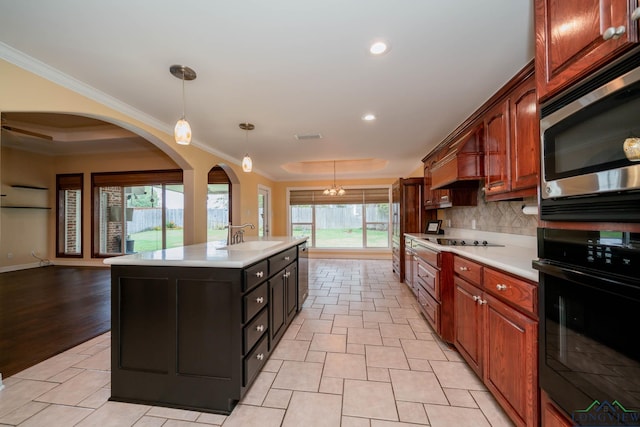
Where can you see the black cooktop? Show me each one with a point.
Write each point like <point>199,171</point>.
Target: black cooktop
<point>460,242</point>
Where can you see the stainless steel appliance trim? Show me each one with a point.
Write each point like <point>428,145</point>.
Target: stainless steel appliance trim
<point>600,182</point>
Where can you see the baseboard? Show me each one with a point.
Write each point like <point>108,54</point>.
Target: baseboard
<point>18,267</point>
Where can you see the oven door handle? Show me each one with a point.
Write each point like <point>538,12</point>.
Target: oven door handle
<point>606,283</point>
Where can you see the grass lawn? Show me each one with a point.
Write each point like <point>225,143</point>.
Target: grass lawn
<point>328,238</point>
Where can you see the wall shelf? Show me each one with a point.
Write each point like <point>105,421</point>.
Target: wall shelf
<point>30,187</point>
<point>23,207</point>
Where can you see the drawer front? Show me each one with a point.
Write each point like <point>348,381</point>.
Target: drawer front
<point>430,308</point>
<point>428,255</point>
<point>255,301</point>
<point>255,330</point>
<point>255,274</point>
<point>254,361</point>
<point>429,278</point>
<point>471,271</point>
<point>281,260</point>
<point>510,289</point>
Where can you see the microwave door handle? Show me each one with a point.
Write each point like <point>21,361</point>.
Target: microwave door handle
<point>602,282</point>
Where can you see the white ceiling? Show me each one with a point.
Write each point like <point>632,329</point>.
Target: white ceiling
<point>287,66</point>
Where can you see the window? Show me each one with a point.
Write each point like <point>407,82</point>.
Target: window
<point>137,211</point>
<point>359,219</point>
<point>69,215</point>
<point>218,204</point>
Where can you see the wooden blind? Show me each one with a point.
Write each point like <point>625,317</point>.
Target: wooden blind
<point>69,181</point>
<point>127,179</point>
<point>353,196</point>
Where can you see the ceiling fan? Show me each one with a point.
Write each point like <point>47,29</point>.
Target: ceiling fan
<point>24,132</point>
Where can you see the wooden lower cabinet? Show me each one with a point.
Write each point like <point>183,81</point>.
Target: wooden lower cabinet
<point>551,415</point>
<point>468,322</point>
<point>497,340</point>
<point>510,362</point>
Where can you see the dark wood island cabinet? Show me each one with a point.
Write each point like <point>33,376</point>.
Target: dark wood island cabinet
<point>196,337</point>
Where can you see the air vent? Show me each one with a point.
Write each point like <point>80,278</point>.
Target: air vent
<point>307,136</point>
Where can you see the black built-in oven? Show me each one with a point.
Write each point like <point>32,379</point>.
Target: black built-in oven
<point>590,145</point>
<point>589,308</point>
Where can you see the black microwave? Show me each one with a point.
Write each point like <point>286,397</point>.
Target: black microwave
<point>590,147</point>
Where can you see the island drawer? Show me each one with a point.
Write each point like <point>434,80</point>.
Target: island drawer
<point>281,260</point>
<point>255,301</point>
<point>254,361</point>
<point>254,330</point>
<point>255,274</point>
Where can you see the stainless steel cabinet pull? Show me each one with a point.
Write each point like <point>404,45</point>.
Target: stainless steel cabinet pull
<point>635,15</point>
<point>260,328</point>
<point>260,300</point>
<point>476,298</point>
<point>465,269</point>
<point>260,274</point>
<point>501,287</point>
<point>482,301</point>
<point>287,258</point>
<point>260,356</point>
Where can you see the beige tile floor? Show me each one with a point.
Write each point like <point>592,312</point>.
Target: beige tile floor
<point>359,354</point>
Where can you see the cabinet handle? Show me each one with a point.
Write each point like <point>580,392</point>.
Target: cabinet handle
<point>614,32</point>
<point>501,287</point>
<point>635,15</point>
<point>260,274</point>
<point>287,274</point>
<point>260,328</point>
<point>444,197</point>
<point>260,300</point>
<point>260,356</point>
<point>476,298</point>
<point>465,269</point>
<point>482,301</point>
<point>287,258</point>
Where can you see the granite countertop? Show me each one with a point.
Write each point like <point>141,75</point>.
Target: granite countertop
<point>211,254</point>
<point>514,257</point>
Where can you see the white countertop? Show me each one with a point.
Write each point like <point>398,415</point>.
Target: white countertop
<point>212,254</point>
<point>514,257</point>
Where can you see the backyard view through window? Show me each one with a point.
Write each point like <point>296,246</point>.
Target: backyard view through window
<point>359,219</point>
<point>137,211</point>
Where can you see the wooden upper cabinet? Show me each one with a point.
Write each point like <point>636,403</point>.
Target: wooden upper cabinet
<point>512,144</point>
<point>575,37</point>
<point>497,152</point>
<point>525,137</point>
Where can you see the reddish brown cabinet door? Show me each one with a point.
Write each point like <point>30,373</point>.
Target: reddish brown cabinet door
<point>574,37</point>
<point>525,138</point>
<point>468,323</point>
<point>497,151</point>
<point>510,360</point>
<point>552,416</point>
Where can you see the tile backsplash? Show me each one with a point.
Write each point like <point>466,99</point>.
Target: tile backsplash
<point>500,217</point>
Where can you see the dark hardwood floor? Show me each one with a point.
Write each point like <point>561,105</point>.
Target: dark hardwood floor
<point>47,310</point>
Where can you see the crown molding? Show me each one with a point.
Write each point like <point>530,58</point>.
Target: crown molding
<point>54,75</point>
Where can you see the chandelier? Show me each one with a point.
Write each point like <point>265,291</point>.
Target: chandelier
<point>334,190</point>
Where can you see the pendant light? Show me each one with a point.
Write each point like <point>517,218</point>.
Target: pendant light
<point>182,130</point>
<point>334,190</point>
<point>247,163</point>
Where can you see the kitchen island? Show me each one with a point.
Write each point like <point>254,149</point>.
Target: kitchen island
<point>192,326</point>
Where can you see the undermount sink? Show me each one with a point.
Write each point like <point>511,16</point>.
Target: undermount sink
<point>252,246</point>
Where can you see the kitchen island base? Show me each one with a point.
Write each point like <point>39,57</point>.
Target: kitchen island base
<point>196,337</point>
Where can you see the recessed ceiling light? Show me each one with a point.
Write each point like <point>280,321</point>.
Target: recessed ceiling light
<point>378,48</point>
<point>369,117</point>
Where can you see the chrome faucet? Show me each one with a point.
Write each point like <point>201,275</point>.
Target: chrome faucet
<point>238,236</point>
